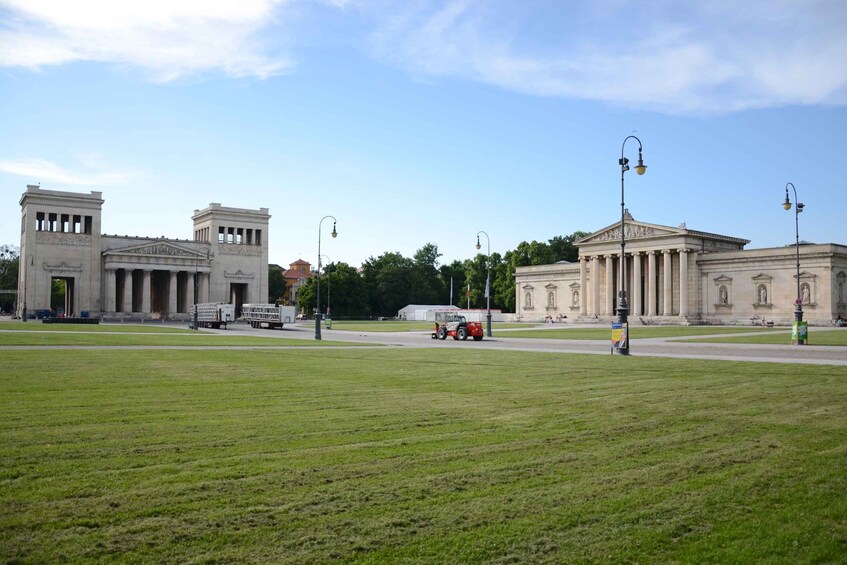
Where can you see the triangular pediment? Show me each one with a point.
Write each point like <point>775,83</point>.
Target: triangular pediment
<point>156,249</point>
<point>634,230</point>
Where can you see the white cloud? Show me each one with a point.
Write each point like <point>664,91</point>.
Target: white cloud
<point>676,57</point>
<point>169,38</point>
<point>39,170</point>
<point>672,56</point>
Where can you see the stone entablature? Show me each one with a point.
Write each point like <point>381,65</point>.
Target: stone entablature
<point>58,238</point>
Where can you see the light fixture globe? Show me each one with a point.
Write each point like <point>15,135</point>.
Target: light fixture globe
<point>640,168</point>
<point>787,203</point>
<point>334,233</point>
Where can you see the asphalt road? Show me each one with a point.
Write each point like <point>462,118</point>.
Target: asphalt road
<point>682,348</point>
<point>678,347</point>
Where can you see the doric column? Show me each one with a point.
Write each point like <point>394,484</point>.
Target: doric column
<point>145,292</point>
<point>583,287</point>
<point>595,285</point>
<point>609,310</point>
<point>127,306</point>
<point>636,284</point>
<point>683,282</point>
<point>111,301</point>
<point>172,294</point>
<point>667,287</point>
<point>188,293</point>
<point>204,287</point>
<point>651,283</point>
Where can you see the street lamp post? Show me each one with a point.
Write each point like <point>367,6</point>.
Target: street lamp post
<point>196,292</point>
<point>26,275</point>
<point>318,303</point>
<point>487,279</point>
<point>623,308</point>
<point>798,303</point>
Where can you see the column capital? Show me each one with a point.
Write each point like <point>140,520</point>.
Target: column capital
<point>684,250</point>
<point>636,253</point>
<point>652,252</point>
<point>667,251</point>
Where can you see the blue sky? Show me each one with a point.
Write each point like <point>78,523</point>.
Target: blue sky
<point>417,122</point>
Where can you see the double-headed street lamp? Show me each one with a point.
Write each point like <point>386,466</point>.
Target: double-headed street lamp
<point>798,303</point>
<point>318,303</point>
<point>623,308</point>
<point>487,277</point>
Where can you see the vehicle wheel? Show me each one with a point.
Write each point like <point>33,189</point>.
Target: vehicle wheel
<point>477,338</point>
<point>442,333</point>
<point>462,333</point>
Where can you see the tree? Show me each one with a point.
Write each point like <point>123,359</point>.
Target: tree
<point>9,264</point>
<point>277,287</point>
<point>341,287</point>
<point>454,274</point>
<point>475,273</point>
<point>563,248</point>
<point>388,283</point>
<point>426,283</point>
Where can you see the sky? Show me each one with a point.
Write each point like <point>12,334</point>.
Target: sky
<point>415,122</point>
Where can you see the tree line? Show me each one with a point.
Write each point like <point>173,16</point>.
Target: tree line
<point>391,281</point>
<point>9,262</point>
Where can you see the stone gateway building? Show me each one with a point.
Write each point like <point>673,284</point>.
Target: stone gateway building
<point>134,277</point>
<point>683,276</point>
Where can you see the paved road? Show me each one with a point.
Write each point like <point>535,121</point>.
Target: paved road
<point>679,348</point>
<point>653,347</point>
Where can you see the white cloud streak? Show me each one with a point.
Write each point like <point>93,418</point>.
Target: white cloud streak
<point>669,56</point>
<point>672,57</point>
<point>169,38</point>
<point>39,170</point>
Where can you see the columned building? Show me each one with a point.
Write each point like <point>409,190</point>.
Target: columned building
<point>683,276</point>
<point>132,277</point>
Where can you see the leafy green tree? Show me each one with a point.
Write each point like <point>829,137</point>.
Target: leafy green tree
<point>426,281</point>
<point>277,286</point>
<point>388,282</point>
<point>58,291</point>
<point>9,264</point>
<point>454,274</point>
<point>342,289</point>
<point>563,249</point>
<point>475,274</point>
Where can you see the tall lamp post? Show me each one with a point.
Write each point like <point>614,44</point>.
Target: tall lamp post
<point>26,275</point>
<point>623,308</point>
<point>487,278</point>
<point>318,303</point>
<point>798,303</point>
<point>196,292</point>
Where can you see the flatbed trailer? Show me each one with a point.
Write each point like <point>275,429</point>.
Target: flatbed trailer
<point>271,316</point>
<point>213,314</point>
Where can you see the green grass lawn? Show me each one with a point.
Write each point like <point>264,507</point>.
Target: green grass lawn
<point>418,456</point>
<point>39,326</point>
<point>636,332</point>
<point>190,338</point>
<point>817,336</point>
